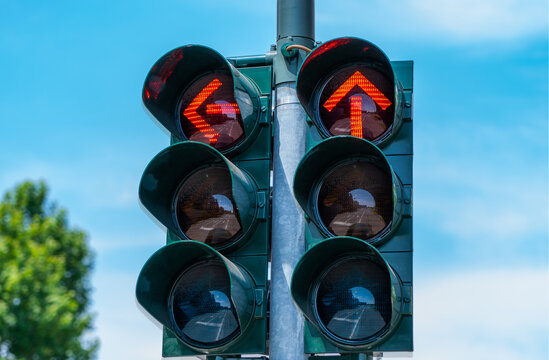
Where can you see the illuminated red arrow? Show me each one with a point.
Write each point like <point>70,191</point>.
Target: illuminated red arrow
<point>356,115</point>
<point>202,125</point>
<point>357,79</point>
<point>226,108</point>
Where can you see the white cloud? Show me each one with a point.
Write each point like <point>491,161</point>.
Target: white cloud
<point>464,20</point>
<point>124,332</point>
<point>480,185</point>
<point>491,19</point>
<point>484,314</point>
<point>493,207</point>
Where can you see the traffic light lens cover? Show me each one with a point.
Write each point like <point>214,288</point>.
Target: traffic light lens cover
<point>201,306</point>
<point>356,199</point>
<point>357,100</point>
<point>208,112</point>
<point>205,208</point>
<point>353,300</point>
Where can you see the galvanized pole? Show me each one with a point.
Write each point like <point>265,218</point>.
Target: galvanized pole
<point>295,25</point>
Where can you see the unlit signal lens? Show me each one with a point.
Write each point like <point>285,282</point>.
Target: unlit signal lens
<point>356,199</point>
<point>205,207</point>
<point>353,299</point>
<point>201,306</point>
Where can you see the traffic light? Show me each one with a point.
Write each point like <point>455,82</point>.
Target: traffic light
<point>210,188</point>
<point>354,184</point>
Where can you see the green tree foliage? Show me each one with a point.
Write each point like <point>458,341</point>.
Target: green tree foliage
<point>44,287</point>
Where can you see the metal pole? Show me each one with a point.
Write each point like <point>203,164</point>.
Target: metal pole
<point>295,24</point>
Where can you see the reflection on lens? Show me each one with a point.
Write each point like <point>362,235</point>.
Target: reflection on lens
<point>209,113</point>
<point>356,199</point>
<point>353,300</point>
<point>202,308</point>
<point>205,208</point>
<point>358,101</point>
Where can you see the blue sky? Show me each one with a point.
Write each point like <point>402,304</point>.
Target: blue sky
<point>71,113</point>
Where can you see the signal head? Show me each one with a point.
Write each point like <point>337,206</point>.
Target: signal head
<point>203,298</point>
<point>198,194</point>
<point>196,94</point>
<point>347,87</point>
<point>347,188</point>
<point>349,292</point>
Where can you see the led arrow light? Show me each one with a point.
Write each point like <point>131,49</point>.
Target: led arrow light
<point>190,112</point>
<point>357,79</point>
<point>211,109</point>
<point>365,111</point>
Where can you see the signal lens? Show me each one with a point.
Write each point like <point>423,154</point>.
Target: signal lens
<point>208,112</point>
<point>353,299</point>
<point>356,199</point>
<point>357,100</point>
<point>205,208</point>
<point>201,306</point>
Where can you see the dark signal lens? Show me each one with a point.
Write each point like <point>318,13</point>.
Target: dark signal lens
<point>353,299</point>
<point>201,305</point>
<point>205,208</point>
<point>358,101</point>
<point>356,199</point>
<point>208,112</point>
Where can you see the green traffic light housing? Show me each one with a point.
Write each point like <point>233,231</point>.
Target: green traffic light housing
<point>207,301</point>
<point>346,186</point>
<point>354,184</point>
<point>209,189</point>
<point>196,94</point>
<point>198,194</point>
<point>349,293</point>
<point>347,86</point>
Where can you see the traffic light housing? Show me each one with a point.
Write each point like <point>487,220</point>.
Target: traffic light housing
<point>210,189</point>
<point>348,290</point>
<point>207,301</point>
<point>348,86</point>
<point>354,184</point>
<point>350,174</point>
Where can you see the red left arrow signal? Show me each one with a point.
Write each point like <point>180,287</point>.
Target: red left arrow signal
<point>211,109</point>
<point>226,108</point>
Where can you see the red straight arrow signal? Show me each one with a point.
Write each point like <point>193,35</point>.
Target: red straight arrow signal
<point>356,115</point>
<point>357,79</point>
